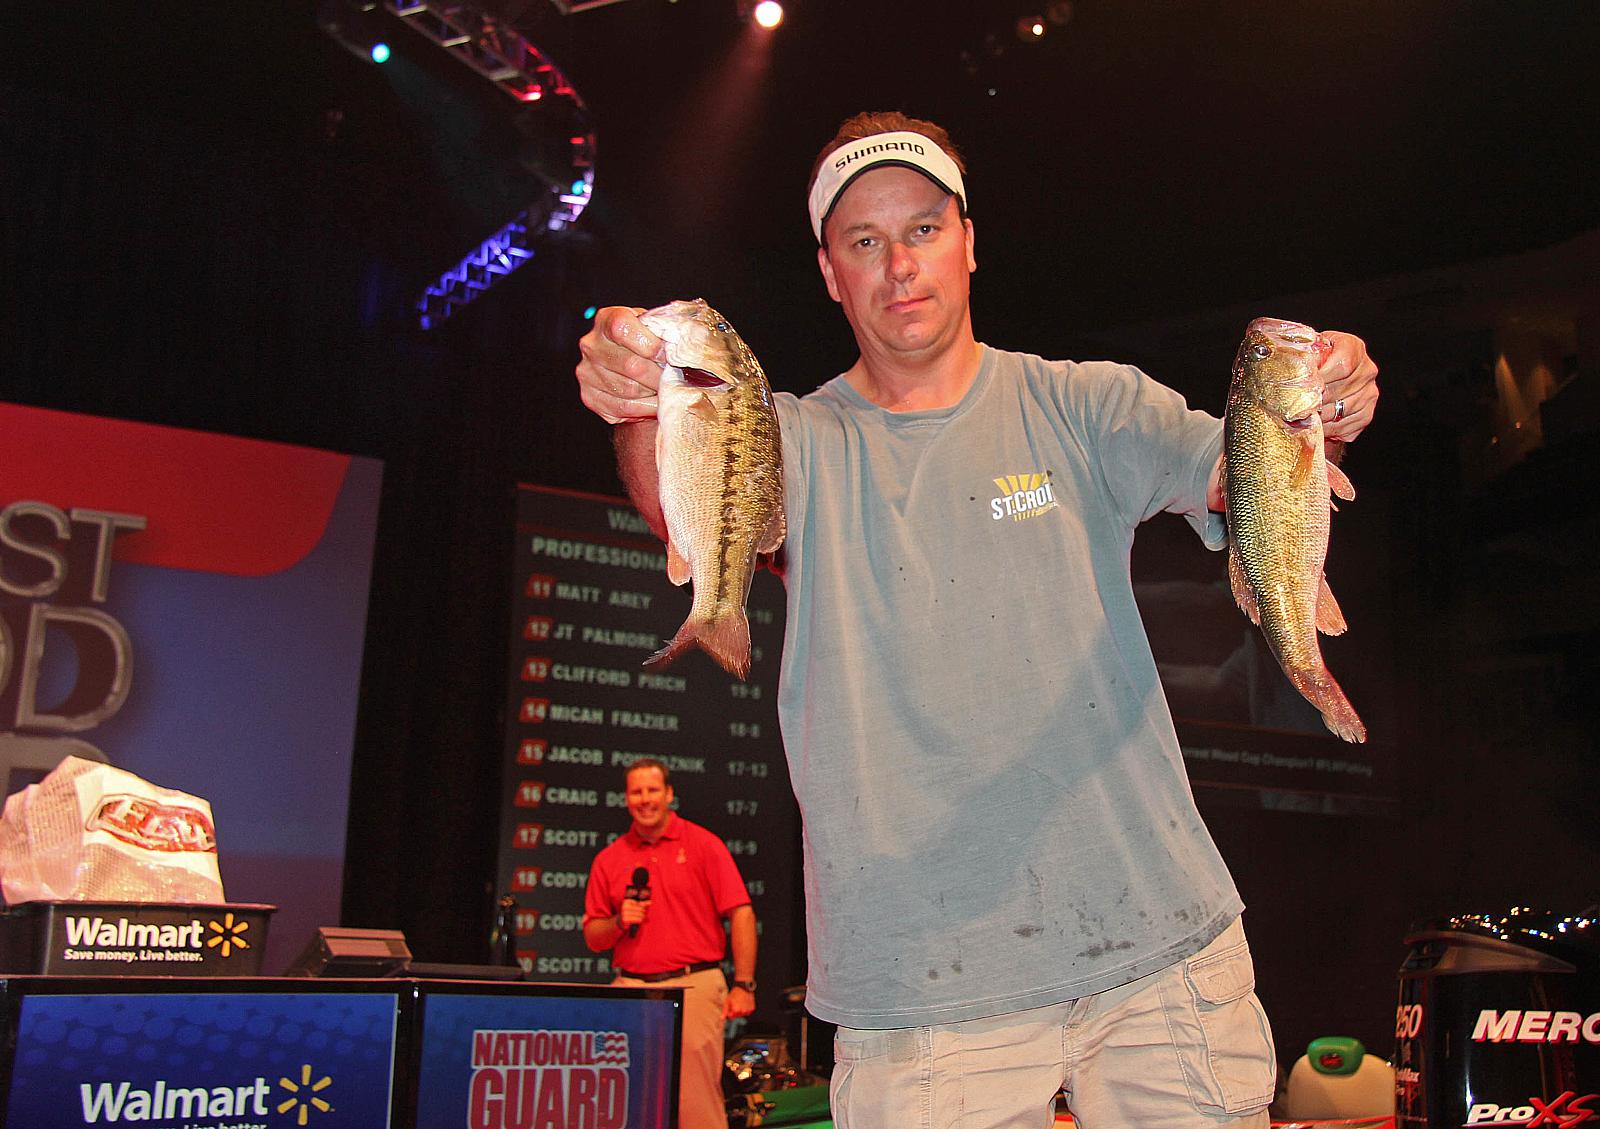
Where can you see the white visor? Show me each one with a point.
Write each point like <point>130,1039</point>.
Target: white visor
<point>906,149</point>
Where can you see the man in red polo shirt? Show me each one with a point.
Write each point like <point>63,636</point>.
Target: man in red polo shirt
<point>671,936</point>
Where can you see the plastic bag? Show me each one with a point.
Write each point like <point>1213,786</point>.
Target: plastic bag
<point>90,832</point>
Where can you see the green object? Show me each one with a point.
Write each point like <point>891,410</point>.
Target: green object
<point>1335,1054</point>
<point>801,1105</point>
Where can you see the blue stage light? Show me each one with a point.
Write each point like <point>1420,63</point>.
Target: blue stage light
<point>380,52</point>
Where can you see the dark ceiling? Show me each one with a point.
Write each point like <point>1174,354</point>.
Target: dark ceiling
<point>1148,157</point>
<point>1145,158</point>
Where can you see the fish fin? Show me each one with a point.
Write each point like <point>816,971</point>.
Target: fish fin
<point>705,409</point>
<point>775,562</point>
<point>1319,688</point>
<point>1346,724</point>
<point>680,642</point>
<point>1339,483</point>
<point>1243,594</point>
<point>1330,619</point>
<point>1302,464</point>
<point>726,638</point>
<point>777,529</point>
<point>677,566</point>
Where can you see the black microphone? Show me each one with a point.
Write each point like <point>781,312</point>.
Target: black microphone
<point>639,892</point>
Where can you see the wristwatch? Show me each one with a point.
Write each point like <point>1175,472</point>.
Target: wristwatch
<point>747,985</point>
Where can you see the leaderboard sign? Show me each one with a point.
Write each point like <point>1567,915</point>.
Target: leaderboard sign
<point>592,602</point>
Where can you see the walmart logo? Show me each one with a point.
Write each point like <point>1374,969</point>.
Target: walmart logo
<point>303,1095</point>
<point>167,1101</point>
<point>228,935</point>
<point>1023,496</point>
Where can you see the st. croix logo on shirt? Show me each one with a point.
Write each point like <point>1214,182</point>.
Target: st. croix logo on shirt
<point>1023,496</point>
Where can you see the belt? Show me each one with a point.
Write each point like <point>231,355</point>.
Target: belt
<point>670,974</point>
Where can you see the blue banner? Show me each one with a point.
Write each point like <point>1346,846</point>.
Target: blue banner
<point>204,1061</point>
<point>509,1062</point>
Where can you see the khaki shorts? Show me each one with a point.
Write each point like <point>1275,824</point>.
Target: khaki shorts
<point>1188,1046</point>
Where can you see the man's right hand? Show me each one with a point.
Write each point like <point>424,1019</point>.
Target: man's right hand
<point>621,366</point>
<point>633,912</point>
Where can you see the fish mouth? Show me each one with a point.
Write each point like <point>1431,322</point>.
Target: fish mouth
<point>1289,333</point>
<point>682,324</point>
<point>700,378</point>
<point>682,309</point>
<point>699,343</point>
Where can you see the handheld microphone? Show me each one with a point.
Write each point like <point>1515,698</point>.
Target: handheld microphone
<point>639,892</point>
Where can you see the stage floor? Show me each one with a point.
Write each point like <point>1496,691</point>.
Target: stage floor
<point>806,1107</point>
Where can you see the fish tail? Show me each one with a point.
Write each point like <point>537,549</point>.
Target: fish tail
<point>726,638</point>
<point>1320,689</point>
<point>1340,717</point>
<point>681,642</point>
<point>724,635</point>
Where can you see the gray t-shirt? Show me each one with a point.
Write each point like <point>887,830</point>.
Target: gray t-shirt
<point>996,815</point>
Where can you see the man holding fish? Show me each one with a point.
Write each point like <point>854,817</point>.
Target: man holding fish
<point>1009,888</point>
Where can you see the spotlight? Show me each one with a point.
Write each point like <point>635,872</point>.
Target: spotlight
<point>350,23</point>
<point>768,14</point>
<point>1030,29</point>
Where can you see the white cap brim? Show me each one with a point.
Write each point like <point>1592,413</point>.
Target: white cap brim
<point>903,148</point>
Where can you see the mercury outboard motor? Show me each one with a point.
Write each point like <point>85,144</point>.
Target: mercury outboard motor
<point>1499,1022</point>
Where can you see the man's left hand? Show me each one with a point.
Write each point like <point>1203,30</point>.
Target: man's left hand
<point>1349,387</point>
<point>739,1003</point>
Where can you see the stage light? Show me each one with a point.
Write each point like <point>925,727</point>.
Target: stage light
<point>769,14</point>
<point>1030,28</point>
<point>490,46</point>
<point>589,312</point>
<point>352,24</point>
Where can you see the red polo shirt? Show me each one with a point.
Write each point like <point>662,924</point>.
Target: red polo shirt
<point>694,884</point>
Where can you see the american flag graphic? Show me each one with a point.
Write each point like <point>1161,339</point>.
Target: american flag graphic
<point>611,1047</point>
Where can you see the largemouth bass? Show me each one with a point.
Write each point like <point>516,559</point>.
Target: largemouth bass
<point>720,467</point>
<point>1277,482</point>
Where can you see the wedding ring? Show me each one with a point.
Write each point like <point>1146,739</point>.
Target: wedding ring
<point>1338,410</point>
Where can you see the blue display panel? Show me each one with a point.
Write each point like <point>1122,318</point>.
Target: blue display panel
<point>179,1060</point>
<point>519,1062</point>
